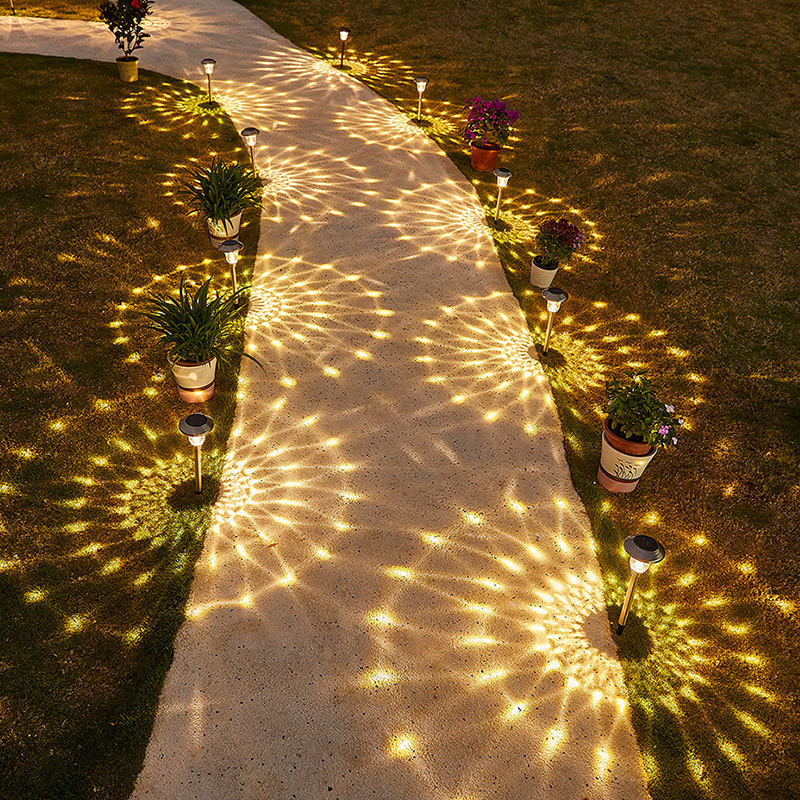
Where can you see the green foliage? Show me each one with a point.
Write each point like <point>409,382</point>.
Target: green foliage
<point>221,190</point>
<point>124,19</point>
<point>634,411</point>
<point>194,328</point>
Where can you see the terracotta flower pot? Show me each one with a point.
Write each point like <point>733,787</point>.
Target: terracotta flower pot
<point>484,157</point>
<point>542,276</point>
<point>220,230</point>
<point>622,461</point>
<point>195,382</point>
<point>128,67</point>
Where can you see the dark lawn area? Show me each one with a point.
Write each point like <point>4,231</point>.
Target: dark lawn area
<point>99,522</point>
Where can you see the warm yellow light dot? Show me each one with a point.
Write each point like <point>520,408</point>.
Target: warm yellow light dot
<point>402,746</point>
<point>472,517</point>
<point>380,334</point>
<point>288,382</point>
<point>323,554</point>
<point>380,678</point>
<point>363,355</point>
<point>382,618</point>
<point>34,596</point>
<point>400,573</point>
<point>554,738</point>
<point>75,623</point>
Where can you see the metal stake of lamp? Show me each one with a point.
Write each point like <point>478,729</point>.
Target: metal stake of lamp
<point>643,551</point>
<point>555,297</point>
<point>231,248</point>
<point>195,427</point>
<point>421,82</point>
<point>208,66</point>
<point>503,176</point>
<point>250,135</point>
<point>343,34</point>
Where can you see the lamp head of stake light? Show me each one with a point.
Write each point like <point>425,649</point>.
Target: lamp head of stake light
<point>344,33</point>
<point>643,551</point>
<point>249,135</point>
<point>231,248</point>
<point>195,427</point>
<point>421,82</point>
<point>555,297</point>
<point>208,65</point>
<point>503,175</point>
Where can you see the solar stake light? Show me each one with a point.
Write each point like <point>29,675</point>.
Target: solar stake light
<point>195,427</point>
<point>250,135</point>
<point>554,297</point>
<point>343,34</point>
<point>421,82</point>
<point>231,248</point>
<point>208,66</point>
<point>503,176</point>
<point>643,551</point>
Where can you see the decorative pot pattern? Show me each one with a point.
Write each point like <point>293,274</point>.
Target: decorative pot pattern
<point>195,382</point>
<point>128,69</point>
<point>541,278</point>
<point>484,158</point>
<point>620,471</point>
<point>220,230</point>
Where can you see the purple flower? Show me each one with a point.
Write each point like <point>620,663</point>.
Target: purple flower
<point>663,430</point>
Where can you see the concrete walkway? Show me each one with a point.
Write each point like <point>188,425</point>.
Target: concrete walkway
<point>398,598</point>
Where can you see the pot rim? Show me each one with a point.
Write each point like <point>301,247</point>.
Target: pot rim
<point>487,146</point>
<point>542,266</point>
<point>634,448</point>
<point>180,363</point>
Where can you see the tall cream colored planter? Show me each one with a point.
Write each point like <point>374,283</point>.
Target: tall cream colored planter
<point>619,471</point>
<point>128,69</point>
<point>541,278</point>
<point>221,230</point>
<point>195,382</point>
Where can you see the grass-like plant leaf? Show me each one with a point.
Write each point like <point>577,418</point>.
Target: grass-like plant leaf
<point>221,190</point>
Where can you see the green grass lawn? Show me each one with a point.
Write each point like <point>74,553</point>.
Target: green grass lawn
<point>66,9</point>
<point>99,522</point>
<point>671,128</point>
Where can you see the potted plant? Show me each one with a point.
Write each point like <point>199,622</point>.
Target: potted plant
<point>124,19</point>
<point>638,423</point>
<point>488,127</point>
<point>557,239</point>
<point>221,192</point>
<point>195,331</point>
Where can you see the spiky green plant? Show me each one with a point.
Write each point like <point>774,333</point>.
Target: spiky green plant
<point>194,328</point>
<point>221,190</point>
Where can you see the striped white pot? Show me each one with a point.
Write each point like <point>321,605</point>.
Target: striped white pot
<point>541,278</point>
<point>195,382</point>
<point>620,472</point>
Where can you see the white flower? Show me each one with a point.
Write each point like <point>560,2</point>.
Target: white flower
<point>674,440</point>
<point>669,409</point>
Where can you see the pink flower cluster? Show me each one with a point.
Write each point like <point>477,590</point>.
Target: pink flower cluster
<point>488,119</point>
<point>567,234</point>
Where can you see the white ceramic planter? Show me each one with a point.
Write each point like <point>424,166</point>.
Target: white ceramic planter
<point>541,278</point>
<point>221,230</point>
<point>128,69</point>
<point>620,472</point>
<point>195,382</point>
